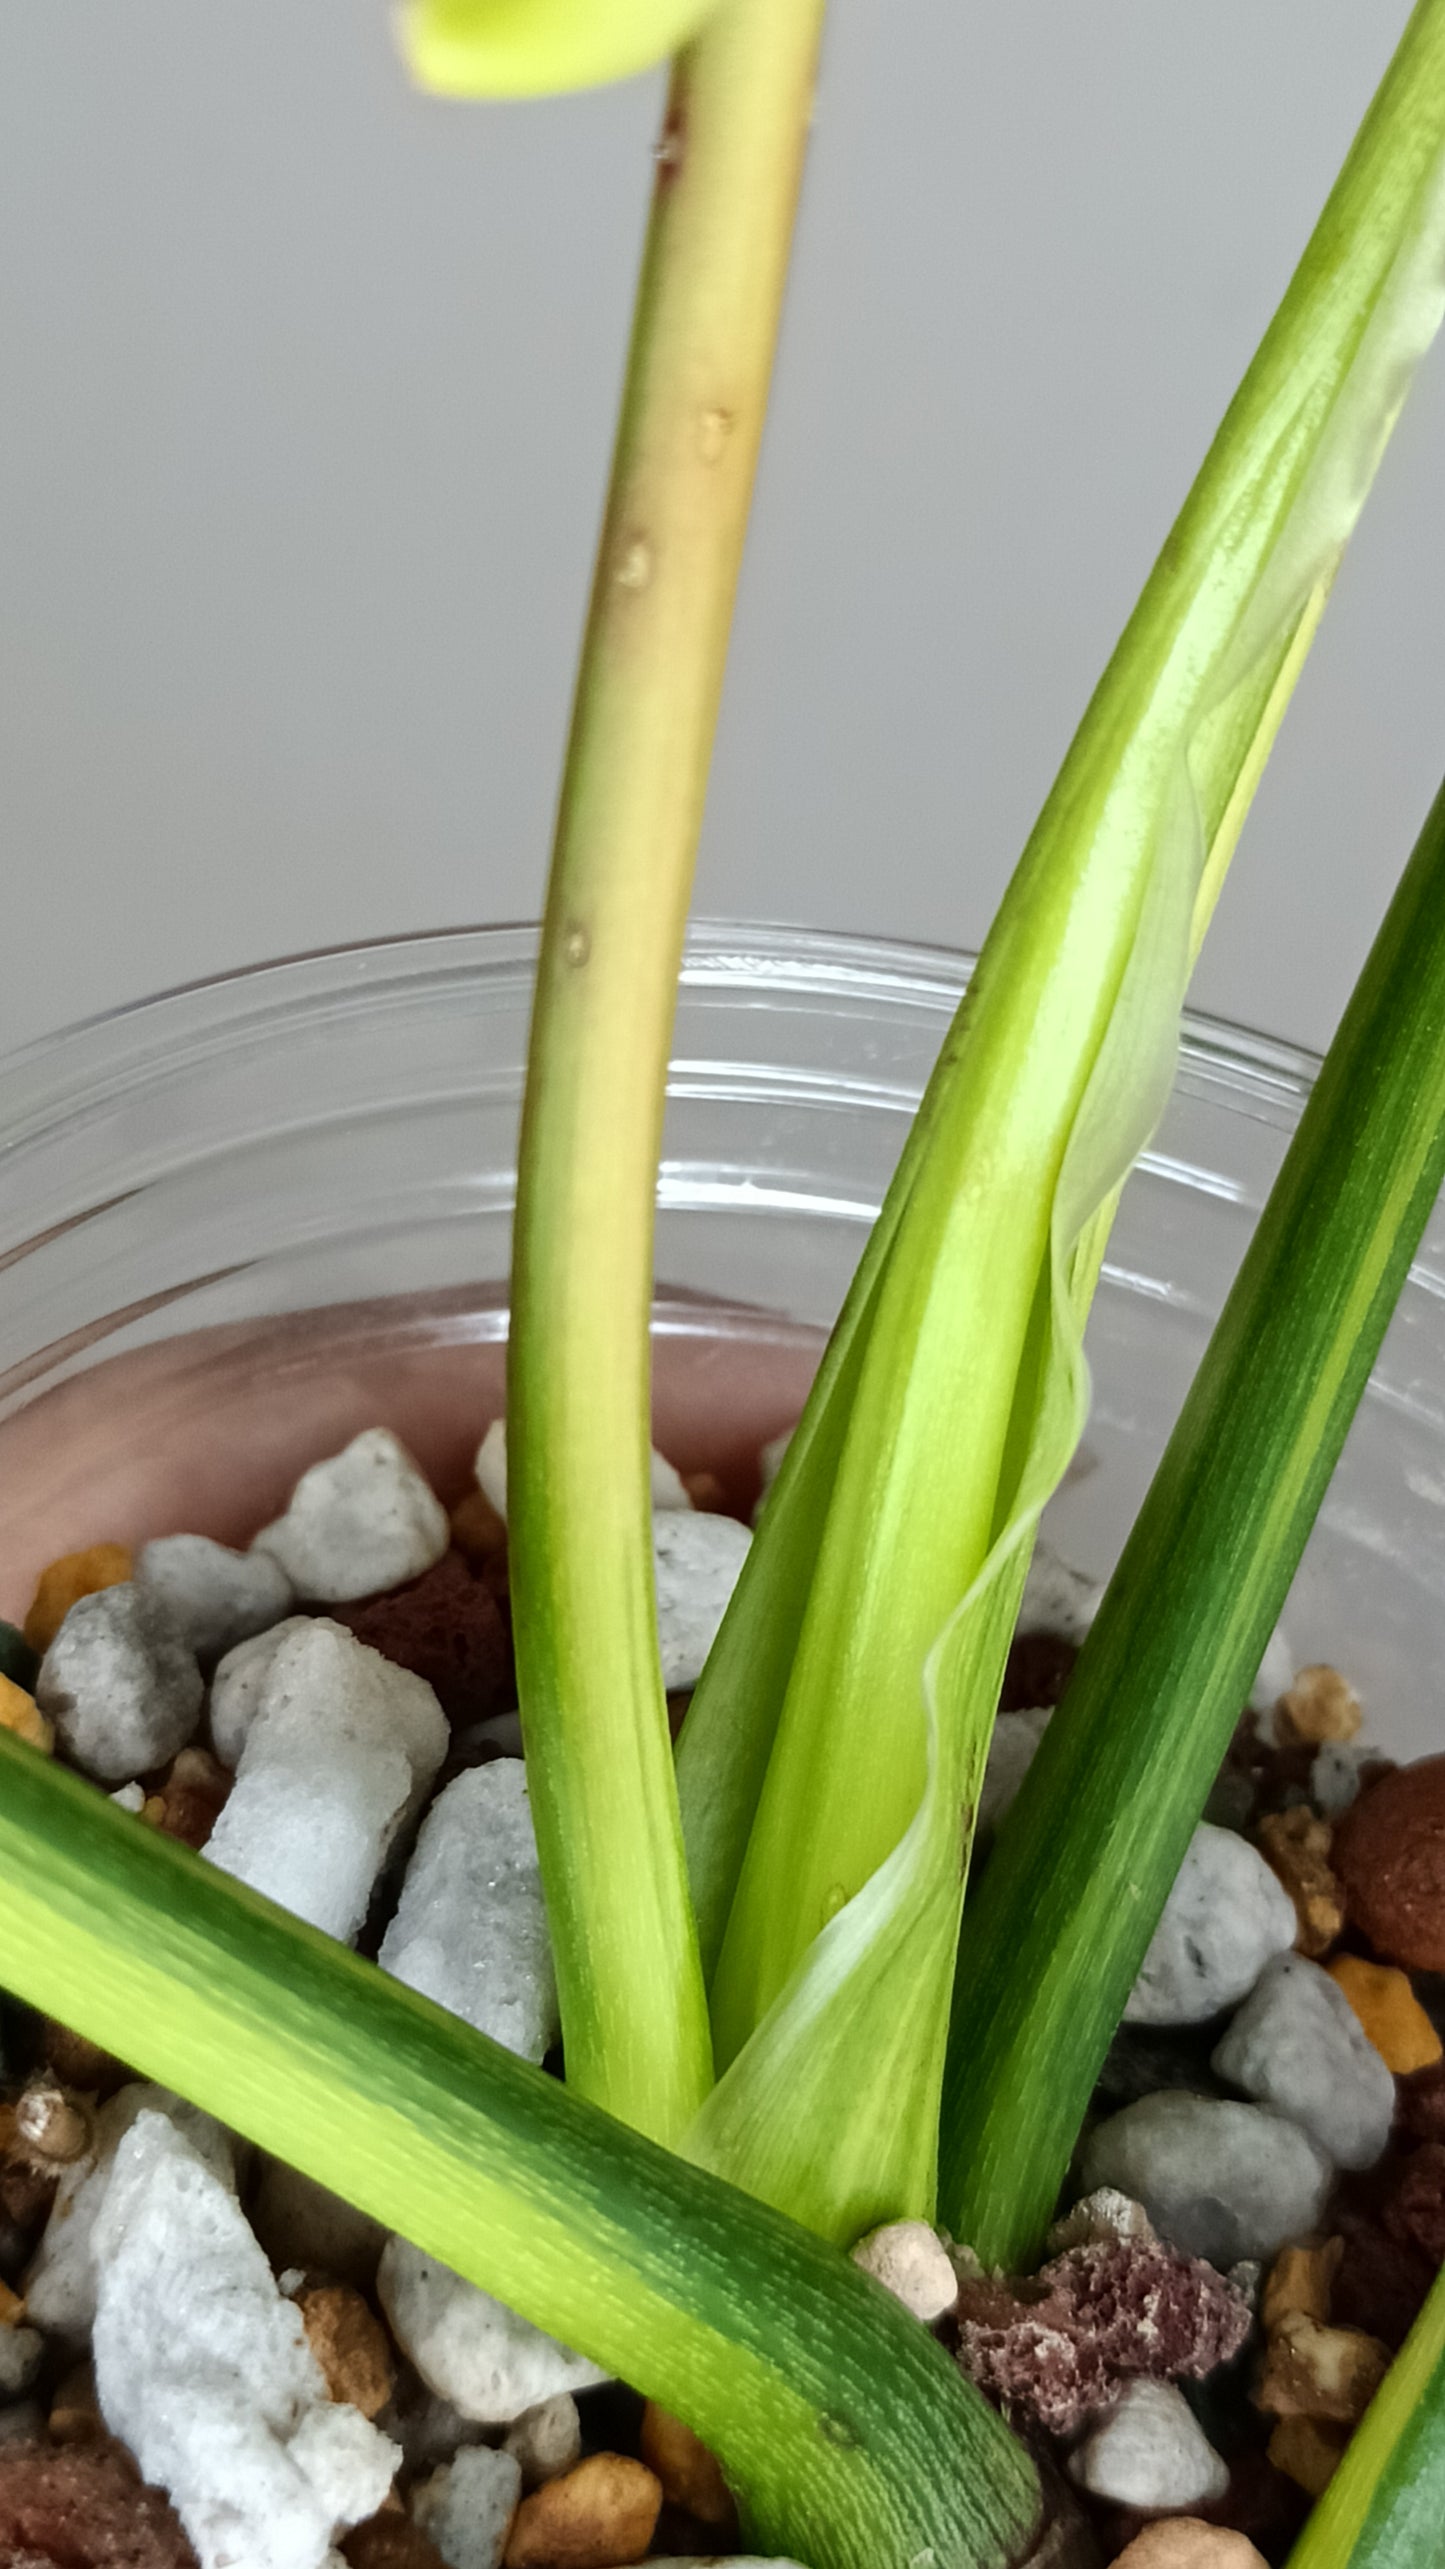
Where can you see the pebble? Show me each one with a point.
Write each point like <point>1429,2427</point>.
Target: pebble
<point>342,1749</point>
<point>1150,2452</point>
<point>1101,2218</point>
<point>60,2282</point>
<point>1057,1598</point>
<point>1309,2451</point>
<point>1335,1774</point>
<point>120,1684</point>
<point>361,1521</point>
<point>1186,2542</point>
<point>18,1661</point>
<point>1297,2044</point>
<point>669,1490</point>
<point>1312,2370</point>
<point>1011,1752</point>
<point>1320,1705</point>
<point>596,2517</point>
<point>1389,1852</point>
<point>301,2223</point>
<point>1225,1917</point>
<point>547,2439</point>
<point>22,2352</point>
<point>690,2474</point>
<point>349,2343</point>
<point>470,1930</point>
<point>1220,2180</point>
<point>696,1561</point>
<point>389,2541</point>
<point>203,2370</point>
<point>911,2262</point>
<point>466,2507</point>
<point>1389,2012</point>
<point>1058,2346</point>
<point>22,1717</point>
<point>64,1582</point>
<point>1298,1846</point>
<point>217,1597</point>
<point>468,2348</point>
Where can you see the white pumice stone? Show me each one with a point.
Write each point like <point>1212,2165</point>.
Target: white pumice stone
<point>121,1684</point>
<point>1101,2218</point>
<point>471,1927</point>
<point>669,1490</point>
<point>129,1797</point>
<point>1219,2180</point>
<point>500,1734</point>
<point>1149,2452</point>
<point>1057,1598</point>
<point>343,1748</point>
<point>60,2281</point>
<point>22,2352</point>
<point>218,1597</point>
<point>468,2348</point>
<point>910,2261</point>
<point>466,2508</point>
<point>202,2368</point>
<point>359,1523</point>
<point>238,1684</point>
<point>1011,1752</point>
<point>1297,2044</point>
<point>546,2440</point>
<point>1225,1917</point>
<point>696,1563</point>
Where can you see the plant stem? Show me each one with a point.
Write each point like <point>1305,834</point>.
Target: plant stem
<point>1055,1936</point>
<point>599,1760</point>
<point>850,2437</point>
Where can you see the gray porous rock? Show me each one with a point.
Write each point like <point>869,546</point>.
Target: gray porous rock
<point>218,1597</point>
<point>470,1929</point>
<point>121,1684</point>
<point>1297,2044</point>
<point>697,1560</point>
<point>1226,1915</point>
<point>1149,2452</point>
<point>342,1750</point>
<point>1219,2180</point>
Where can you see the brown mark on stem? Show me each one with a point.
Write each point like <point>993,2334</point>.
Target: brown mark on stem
<point>670,149</point>
<point>714,428</point>
<point>634,563</point>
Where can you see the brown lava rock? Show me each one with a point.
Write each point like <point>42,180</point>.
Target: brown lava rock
<point>82,2507</point>
<point>593,2517</point>
<point>1381,2282</point>
<point>1414,2207</point>
<point>390,2541</point>
<point>192,1797</point>
<point>1064,2341</point>
<point>1422,2104</point>
<point>1389,1852</point>
<point>448,1628</point>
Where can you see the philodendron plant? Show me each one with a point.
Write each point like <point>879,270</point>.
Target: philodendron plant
<point>782,2023</point>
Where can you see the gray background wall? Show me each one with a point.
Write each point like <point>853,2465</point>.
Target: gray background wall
<point>305,410</point>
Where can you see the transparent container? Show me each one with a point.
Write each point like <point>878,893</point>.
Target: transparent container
<point>243,1220</point>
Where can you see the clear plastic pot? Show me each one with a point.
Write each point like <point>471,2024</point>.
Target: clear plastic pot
<point>245,1219</point>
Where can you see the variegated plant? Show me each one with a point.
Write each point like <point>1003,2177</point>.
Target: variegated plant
<point>761,1943</point>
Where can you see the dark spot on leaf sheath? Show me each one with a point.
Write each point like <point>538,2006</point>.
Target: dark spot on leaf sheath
<point>838,2431</point>
<point>670,150</point>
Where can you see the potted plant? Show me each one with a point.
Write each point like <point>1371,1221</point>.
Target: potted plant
<point>776,2037</point>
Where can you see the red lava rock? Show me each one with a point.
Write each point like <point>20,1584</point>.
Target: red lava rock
<point>1062,2342</point>
<point>1389,1852</point>
<point>1414,2208</point>
<point>82,2507</point>
<point>1421,2106</point>
<point>1381,2283</point>
<point>448,1628</point>
<point>1039,1668</point>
